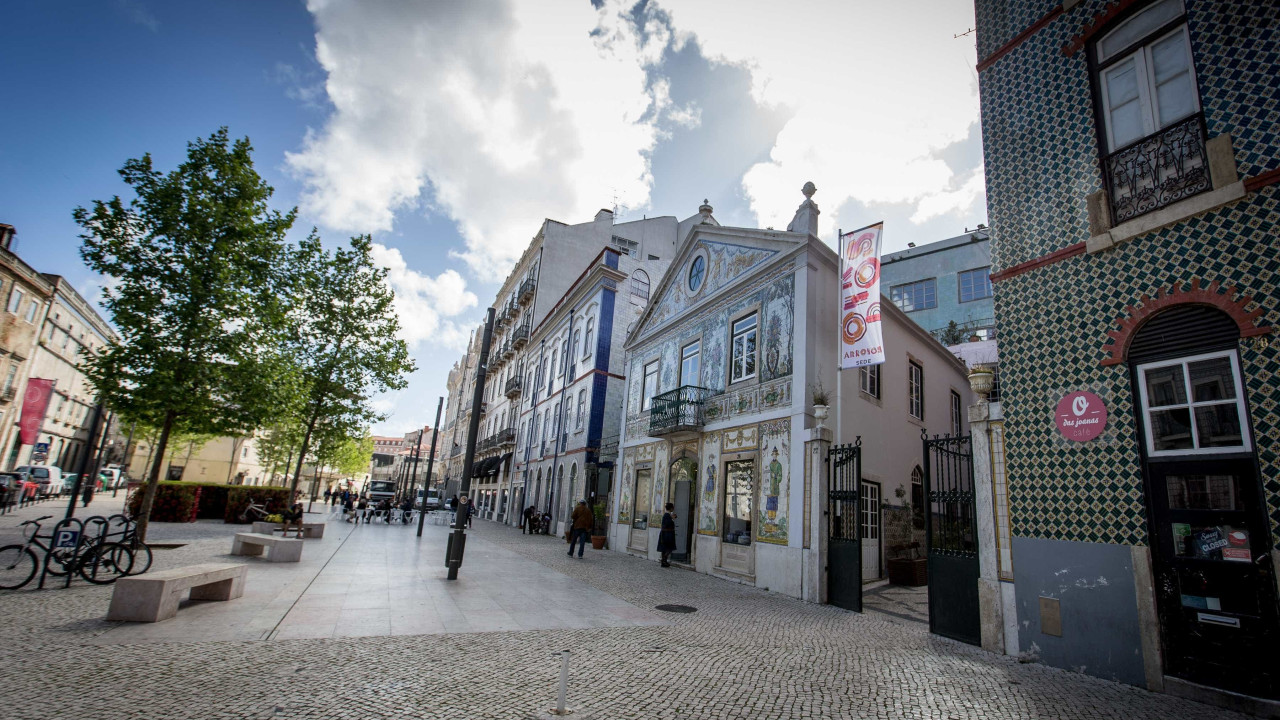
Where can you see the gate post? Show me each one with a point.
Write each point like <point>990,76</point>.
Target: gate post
<point>990,600</point>
<point>814,578</point>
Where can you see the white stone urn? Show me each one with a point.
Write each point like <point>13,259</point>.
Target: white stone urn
<point>820,414</point>
<point>981,380</point>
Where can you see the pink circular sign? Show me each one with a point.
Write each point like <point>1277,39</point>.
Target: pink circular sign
<point>1081,416</point>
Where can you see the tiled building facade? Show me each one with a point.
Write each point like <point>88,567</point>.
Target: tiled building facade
<point>1131,154</point>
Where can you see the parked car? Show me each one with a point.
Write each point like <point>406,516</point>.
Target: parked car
<point>20,483</point>
<point>48,477</point>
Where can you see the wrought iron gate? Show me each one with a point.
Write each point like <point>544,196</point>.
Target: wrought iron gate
<point>951,532</point>
<point>844,523</point>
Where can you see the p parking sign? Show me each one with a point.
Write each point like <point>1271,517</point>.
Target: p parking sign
<point>66,539</point>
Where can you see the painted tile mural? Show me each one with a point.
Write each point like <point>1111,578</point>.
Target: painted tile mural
<point>728,261</point>
<point>661,465</point>
<point>775,486</point>
<point>628,482</point>
<point>775,296</point>
<point>708,484</point>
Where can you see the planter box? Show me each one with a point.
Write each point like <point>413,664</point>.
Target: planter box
<point>597,541</point>
<point>913,573</point>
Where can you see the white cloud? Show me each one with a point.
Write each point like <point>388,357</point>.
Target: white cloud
<point>424,303</point>
<point>875,91</point>
<point>509,111</point>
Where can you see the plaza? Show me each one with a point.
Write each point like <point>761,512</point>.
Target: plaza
<point>366,626</point>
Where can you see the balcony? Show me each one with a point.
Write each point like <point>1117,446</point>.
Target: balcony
<point>505,438</point>
<point>508,350</point>
<point>678,412</point>
<point>526,291</point>
<point>1159,170</point>
<point>513,386</point>
<point>520,336</point>
<point>6,396</point>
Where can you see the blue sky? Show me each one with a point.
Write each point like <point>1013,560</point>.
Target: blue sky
<point>449,131</point>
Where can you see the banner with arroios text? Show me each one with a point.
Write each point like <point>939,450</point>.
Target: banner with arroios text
<point>34,404</point>
<point>861,334</point>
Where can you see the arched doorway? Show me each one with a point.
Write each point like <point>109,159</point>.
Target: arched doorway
<point>1208,529</point>
<point>684,475</point>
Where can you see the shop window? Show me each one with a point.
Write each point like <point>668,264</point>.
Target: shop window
<point>643,499</point>
<point>738,493</point>
<point>1193,405</point>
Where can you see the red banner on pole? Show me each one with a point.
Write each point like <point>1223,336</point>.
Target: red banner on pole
<point>861,334</point>
<point>34,405</point>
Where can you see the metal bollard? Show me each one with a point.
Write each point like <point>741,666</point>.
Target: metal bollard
<point>564,681</point>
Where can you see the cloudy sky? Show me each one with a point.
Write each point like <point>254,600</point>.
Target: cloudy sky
<point>449,130</point>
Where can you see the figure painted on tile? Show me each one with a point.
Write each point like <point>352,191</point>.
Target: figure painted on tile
<point>775,487</point>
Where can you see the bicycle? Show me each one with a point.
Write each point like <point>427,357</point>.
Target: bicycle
<point>128,535</point>
<point>99,562</point>
<point>258,510</point>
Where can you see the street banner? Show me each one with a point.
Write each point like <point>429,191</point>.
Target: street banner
<point>861,334</point>
<point>34,404</point>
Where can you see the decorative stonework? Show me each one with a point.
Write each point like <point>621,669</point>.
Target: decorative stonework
<point>772,505</point>
<point>709,485</point>
<point>1117,348</point>
<point>749,400</point>
<point>741,439</point>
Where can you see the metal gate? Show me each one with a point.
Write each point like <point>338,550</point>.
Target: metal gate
<point>951,533</point>
<point>844,537</point>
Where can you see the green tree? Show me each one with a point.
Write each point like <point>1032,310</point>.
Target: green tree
<point>198,260</point>
<point>952,334</point>
<point>277,444</point>
<point>353,455</point>
<point>344,339</point>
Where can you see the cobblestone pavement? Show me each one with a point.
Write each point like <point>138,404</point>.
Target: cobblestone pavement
<point>908,603</point>
<point>745,653</point>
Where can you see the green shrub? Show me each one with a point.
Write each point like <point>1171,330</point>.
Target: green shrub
<point>276,499</point>
<point>175,502</point>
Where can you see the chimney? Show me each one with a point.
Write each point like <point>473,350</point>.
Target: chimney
<point>806,219</point>
<point>705,211</point>
<point>6,235</point>
<point>606,215</point>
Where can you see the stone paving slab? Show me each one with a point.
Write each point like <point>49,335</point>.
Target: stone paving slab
<point>746,653</point>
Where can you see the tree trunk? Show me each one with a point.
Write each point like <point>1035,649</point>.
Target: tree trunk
<point>153,483</point>
<point>236,443</point>
<point>302,453</point>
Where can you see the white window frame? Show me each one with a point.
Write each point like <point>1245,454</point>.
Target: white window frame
<point>869,380</point>
<point>32,307</point>
<point>915,390</point>
<point>590,336</point>
<point>582,405</point>
<point>969,274</point>
<point>733,339</point>
<point>957,413</point>
<point>646,396</point>
<point>1246,436</point>
<point>696,356</point>
<point>897,291</point>
<point>15,300</point>
<point>1145,73</point>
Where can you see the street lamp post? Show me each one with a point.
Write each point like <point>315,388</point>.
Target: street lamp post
<point>458,538</point>
<point>431,460</point>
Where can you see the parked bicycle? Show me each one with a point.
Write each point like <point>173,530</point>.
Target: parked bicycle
<point>96,559</point>
<point>258,511</point>
<point>127,534</point>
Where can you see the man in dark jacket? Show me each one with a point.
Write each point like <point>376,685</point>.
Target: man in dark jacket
<point>582,521</point>
<point>526,526</point>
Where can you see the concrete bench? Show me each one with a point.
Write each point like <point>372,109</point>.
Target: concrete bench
<point>309,530</point>
<point>155,596</point>
<point>282,549</point>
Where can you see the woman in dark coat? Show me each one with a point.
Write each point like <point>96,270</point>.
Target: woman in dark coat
<point>667,537</point>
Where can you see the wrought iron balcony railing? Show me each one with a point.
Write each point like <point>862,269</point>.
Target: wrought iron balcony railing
<point>526,290</point>
<point>520,336</point>
<point>679,410</point>
<point>1158,170</point>
<point>513,386</point>
<point>504,438</point>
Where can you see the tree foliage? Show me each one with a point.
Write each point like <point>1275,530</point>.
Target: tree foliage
<point>198,260</point>
<point>344,343</point>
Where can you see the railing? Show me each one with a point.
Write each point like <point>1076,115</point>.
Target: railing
<point>513,386</point>
<point>505,437</point>
<point>678,410</point>
<point>519,336</point>
<point>7,394</point>
<point>526,290</point>
<point>1159,170</point>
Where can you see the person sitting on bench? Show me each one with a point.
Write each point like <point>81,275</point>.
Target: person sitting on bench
<point>293,516</point>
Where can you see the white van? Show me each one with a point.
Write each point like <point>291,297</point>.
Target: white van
<point>433,500</point>
<point>49,477</point>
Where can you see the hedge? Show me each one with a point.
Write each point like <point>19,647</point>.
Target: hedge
<point>189,501</point>
<point>175,502</point>
<point>238,496</point>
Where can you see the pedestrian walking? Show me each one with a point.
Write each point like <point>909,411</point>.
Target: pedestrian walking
<point>87,495</point>
<point>327,493</point>
<point>527,525</point>
<point>667,536</point>
<point>582,522</point>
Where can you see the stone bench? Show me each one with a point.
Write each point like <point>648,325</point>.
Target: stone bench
<point>155,596</point>
<point>281,549</point>
<point>309,530</point>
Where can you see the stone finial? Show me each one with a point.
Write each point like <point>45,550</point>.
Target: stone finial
<point>704,210</point>
<point>806,218</point>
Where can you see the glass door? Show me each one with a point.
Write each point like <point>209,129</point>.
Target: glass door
<point>1215,588</point>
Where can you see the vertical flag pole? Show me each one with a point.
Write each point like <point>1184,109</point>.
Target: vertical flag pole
<point>839,330</point>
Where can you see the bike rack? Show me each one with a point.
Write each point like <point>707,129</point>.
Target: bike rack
<point>53,539</point>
